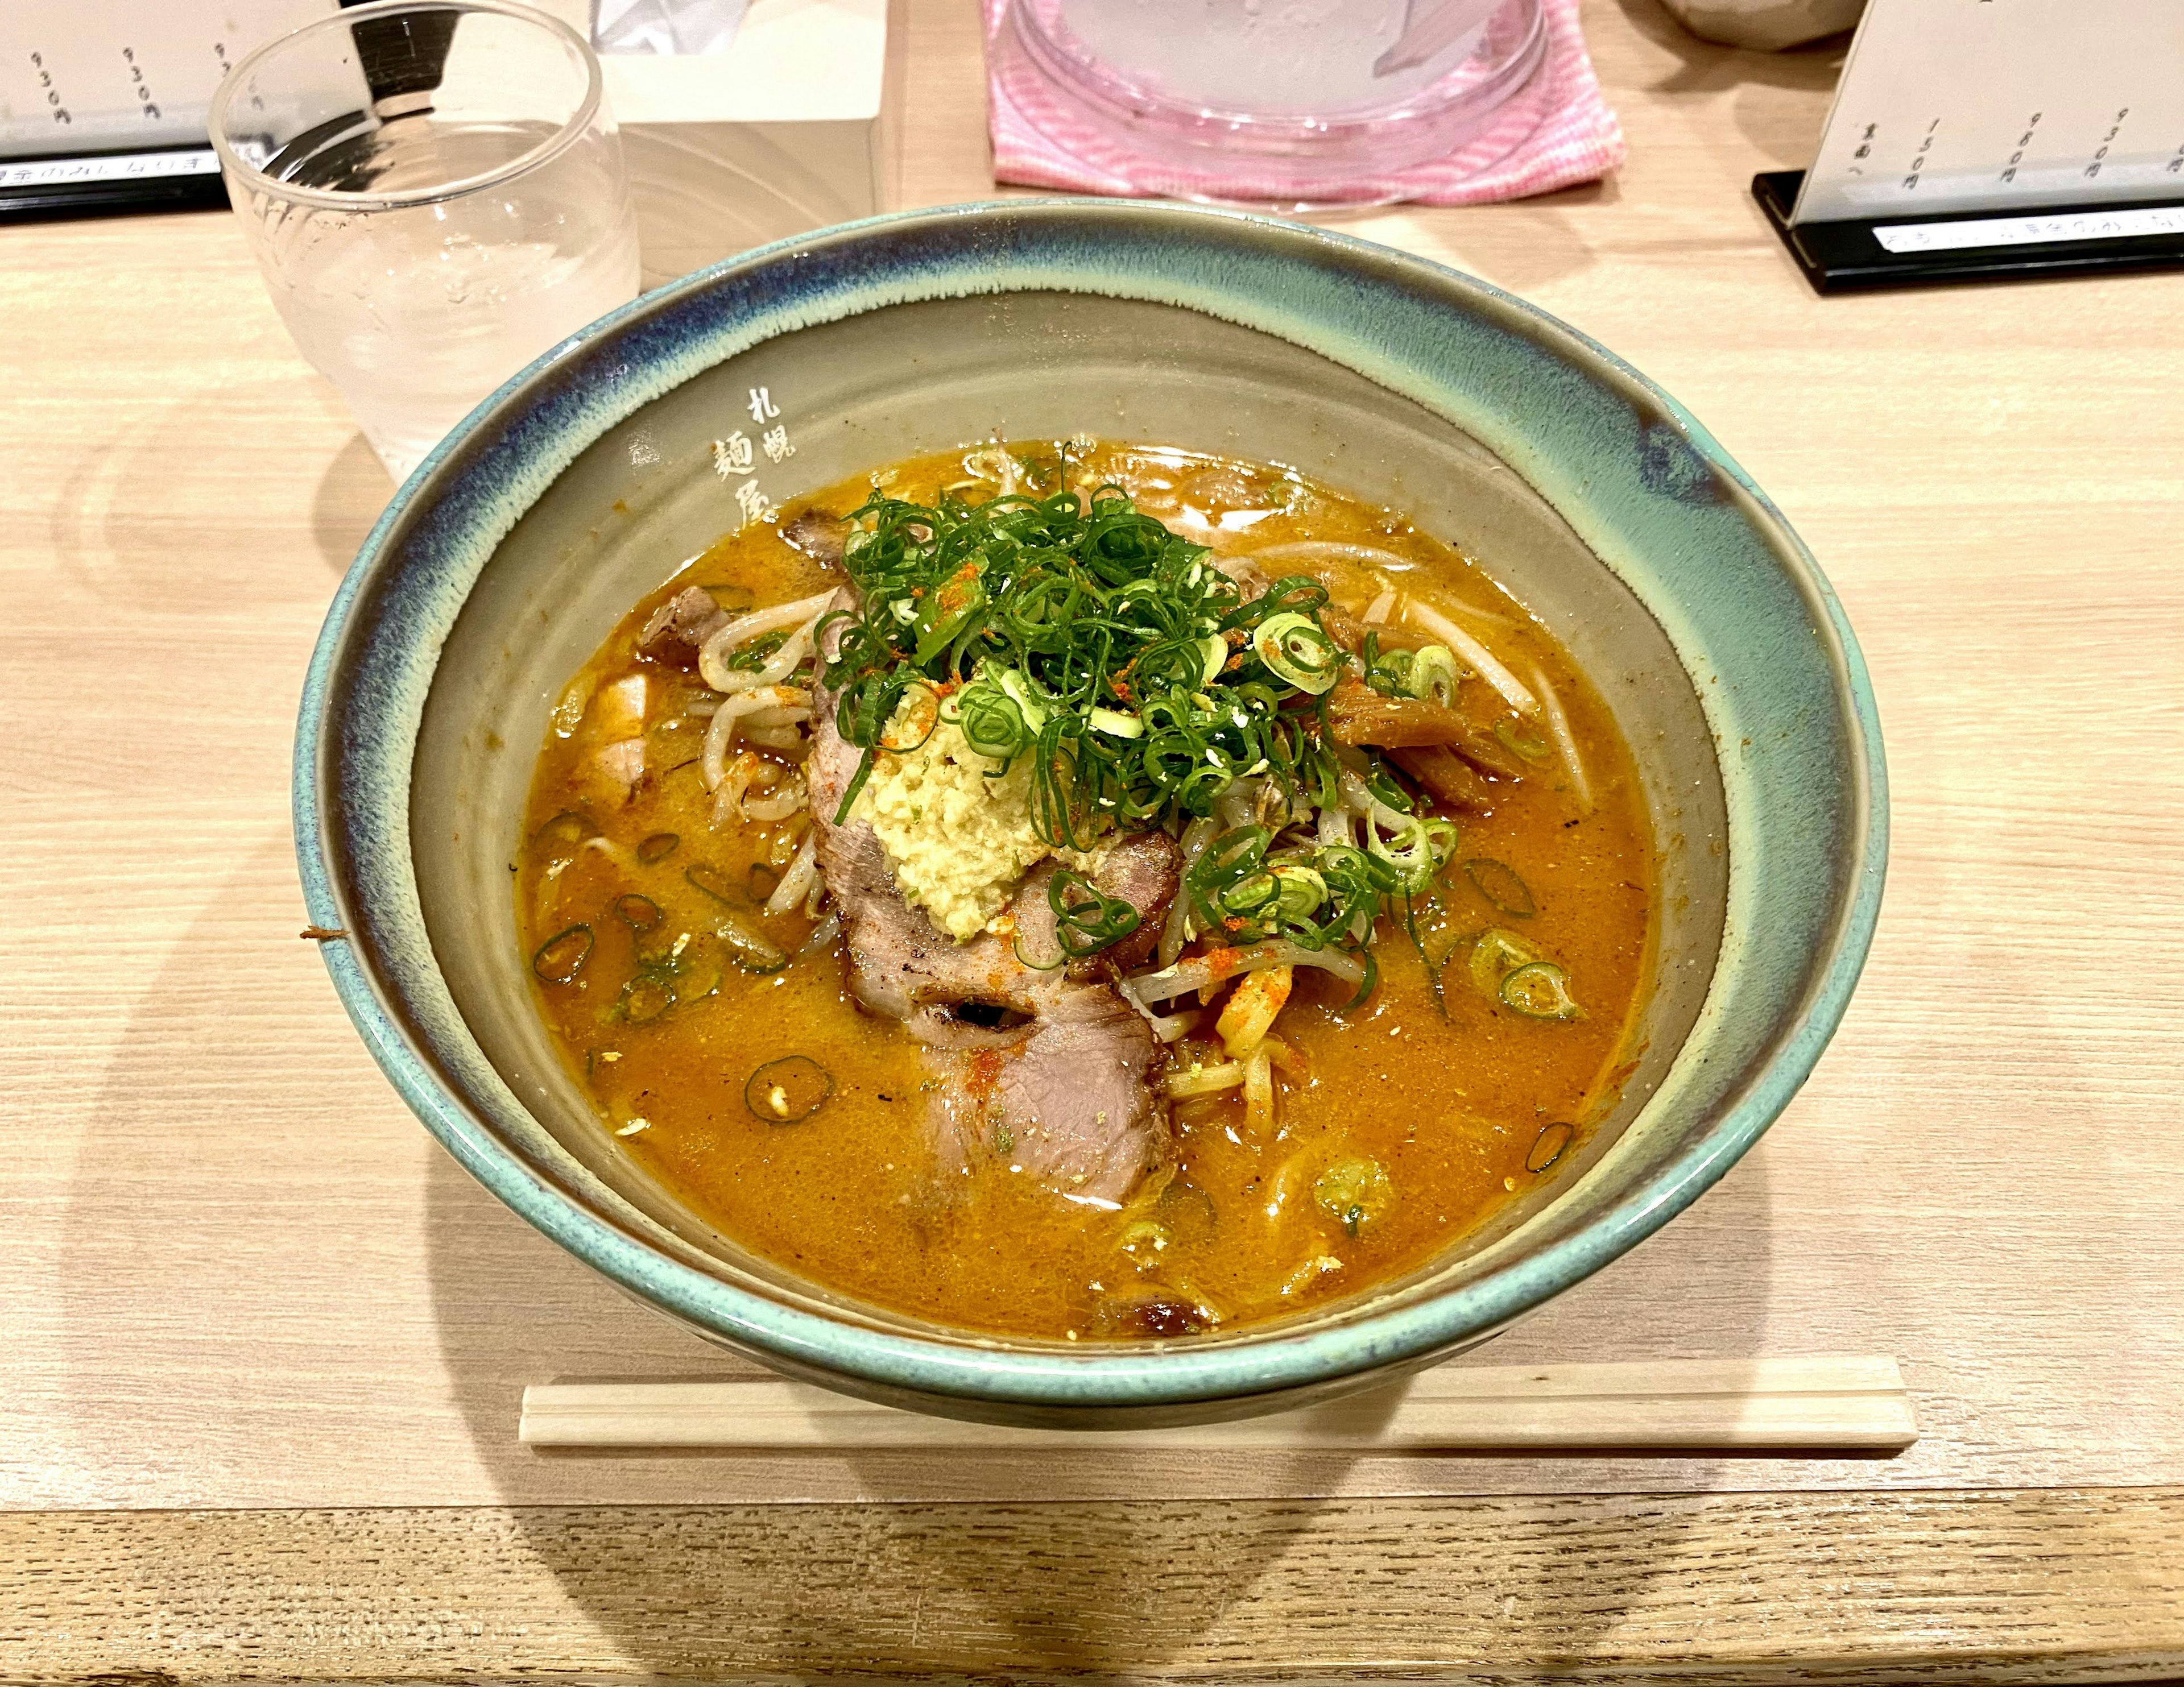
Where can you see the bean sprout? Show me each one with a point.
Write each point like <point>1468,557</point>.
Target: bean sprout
<point>796,883</point>
<point>1310,550</point>
<point>784,801</point>
<point>1167,1026</point>
<point>1213,969</point>
<point>822,934</point>
<point>720,735</point>
<point>1489,668</point>
<point>795,649</point>
<point>713,656</point>
<point>1558,724</point>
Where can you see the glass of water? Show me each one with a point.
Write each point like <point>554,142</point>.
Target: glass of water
<point>434,190</point>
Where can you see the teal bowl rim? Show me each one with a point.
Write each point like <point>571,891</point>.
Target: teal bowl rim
<point>1255,1362</point>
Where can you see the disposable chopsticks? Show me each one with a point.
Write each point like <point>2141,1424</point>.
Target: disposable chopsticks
<point>1834,1404</point>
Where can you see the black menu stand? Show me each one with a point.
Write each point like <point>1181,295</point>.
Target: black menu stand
<point>1850,257</point>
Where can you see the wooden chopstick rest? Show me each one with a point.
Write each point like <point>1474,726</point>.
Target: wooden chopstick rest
<point>1837,1404</point>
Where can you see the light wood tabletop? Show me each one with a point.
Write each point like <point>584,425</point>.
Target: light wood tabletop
<point>262,1345</point>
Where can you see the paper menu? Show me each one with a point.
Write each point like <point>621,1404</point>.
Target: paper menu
<point>85,78</point>
<point>1965,105</point>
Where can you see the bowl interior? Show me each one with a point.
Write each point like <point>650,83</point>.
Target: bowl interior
<point>861,393</point>
<point>1680,595</point>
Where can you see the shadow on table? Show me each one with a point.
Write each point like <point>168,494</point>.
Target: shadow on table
<point>351,494</point>
<point>504,1301</point>
<point>1520,244</point>
<point>1777,98</point>
<point>163,1205</point>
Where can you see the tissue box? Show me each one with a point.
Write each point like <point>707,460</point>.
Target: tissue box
<point>793,127</point>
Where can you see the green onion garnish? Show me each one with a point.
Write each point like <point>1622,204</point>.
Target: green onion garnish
<point>710,880</point>
<point>789,1090</point>
<point>639,913</point>
<point>1079,633</point>
<point>1540,990</point>
<point>1547,1147</point>
<point>1297,648</point>
<point>1500,885</point>
<point>1516,736</point>
<point>1085,920</point>
<point>562,956</point>
<point>1355,1191</point>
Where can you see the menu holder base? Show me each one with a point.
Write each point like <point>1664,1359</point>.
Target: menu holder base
<point>1909,250</point>
<point>110,184</point>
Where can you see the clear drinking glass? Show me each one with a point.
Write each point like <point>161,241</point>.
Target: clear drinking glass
<point>434,190</point>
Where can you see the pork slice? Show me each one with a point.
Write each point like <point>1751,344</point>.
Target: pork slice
<point>1347,631</point>
<point>1043,1071</point>
<point>1071,1106</point>
<point>1252,581</point>
<point>819,534</point>
<point>1079,1100</point>
<point>901,965</point>
<point>1360,715</point>
<point>680,626</point>
<point>1445,777</point>
<point>1142,869</point>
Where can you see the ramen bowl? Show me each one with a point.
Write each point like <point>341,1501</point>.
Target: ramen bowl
<point>579,487</point>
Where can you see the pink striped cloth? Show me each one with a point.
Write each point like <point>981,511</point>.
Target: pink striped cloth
<point>1558,132</point>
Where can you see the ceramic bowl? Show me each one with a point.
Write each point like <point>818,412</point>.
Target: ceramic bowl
<point>581,484</point>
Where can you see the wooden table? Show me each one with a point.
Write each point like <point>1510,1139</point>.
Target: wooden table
<point>263,1343</point>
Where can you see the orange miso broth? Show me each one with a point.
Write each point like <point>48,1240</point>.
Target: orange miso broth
<point>1129,893</point>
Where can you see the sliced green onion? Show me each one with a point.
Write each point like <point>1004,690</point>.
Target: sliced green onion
<point>1017,691</point>
<point>1015,943</point>
<point>788,1091</point>
<point>1114,723</point>
<point>1548,1147</point>
<point>657,848</point>
<point>1522,740</point>
<point>638,913</point>
<point>1355,1190</point>
<point>1418,852</point>
<point>1495,954</point>
<point>562,956</point>
<point>698,976</point>
<point>1046,610</point>
<point>1500,885</point>
<point>1085,919</point>
<point>1297,648</point>
<point>644,999</point>
<point>1540,989</point>
<point>1433,674</point>
<point>991,723</point>
<point>1303,893</point>
<point>565,830</point>
<point>712,882</point>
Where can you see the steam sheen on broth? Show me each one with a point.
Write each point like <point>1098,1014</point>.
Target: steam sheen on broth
<point>1241,976</point>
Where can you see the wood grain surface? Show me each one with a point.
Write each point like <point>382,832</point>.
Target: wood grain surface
<point>237,1274</point>
<point>2070,1585</point>
<point>1845,1402</point>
